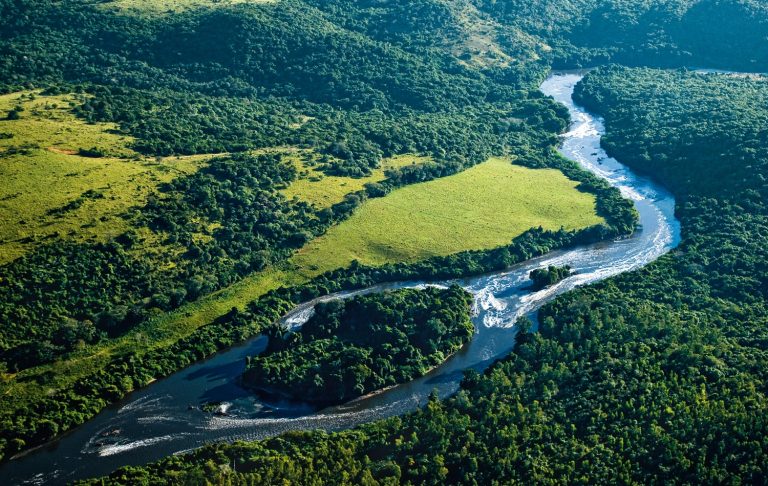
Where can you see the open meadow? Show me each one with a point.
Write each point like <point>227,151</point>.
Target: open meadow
<point>62,178</point>
<point>483,207</point>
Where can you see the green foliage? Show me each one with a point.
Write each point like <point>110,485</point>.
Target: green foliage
<point>72,405</point>
<point>544,277</point>
<point>705,135</point>
<point>58,296</point>
<point>355,82</point>
<point>352,347</point>
<point>202,81</point>
<point>657,376</point>
<point>581,33</point>
<point>253,225</point>
<point>228,219</point>
<point>187,84</point>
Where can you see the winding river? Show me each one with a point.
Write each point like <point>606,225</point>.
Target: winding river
<point>158,421</point>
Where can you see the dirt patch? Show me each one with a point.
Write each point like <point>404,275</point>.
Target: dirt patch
<point>57,150</point>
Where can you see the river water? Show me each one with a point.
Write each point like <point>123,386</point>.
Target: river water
<point>157,421</point>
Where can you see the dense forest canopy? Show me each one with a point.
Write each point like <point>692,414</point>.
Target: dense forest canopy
<point>677,349</point>
<point>655,376</point>
<point>544,277</point>
<point>716,147</point>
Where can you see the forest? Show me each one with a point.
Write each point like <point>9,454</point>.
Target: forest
<point>202,232</point>
<point>654,376</point>
<point>677,348</point>
<point>350,348</point>
<point>458,128</point>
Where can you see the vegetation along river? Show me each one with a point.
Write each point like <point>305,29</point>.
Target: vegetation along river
<point>158,420</point>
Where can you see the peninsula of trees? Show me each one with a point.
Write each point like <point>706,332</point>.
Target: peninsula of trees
<point>352,347</point>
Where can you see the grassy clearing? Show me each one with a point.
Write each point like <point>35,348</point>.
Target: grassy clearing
<point>477,45</point>
<point>324,191</point>
<point>483,207</point>
<point>49,191</point>
<point>160,7</point>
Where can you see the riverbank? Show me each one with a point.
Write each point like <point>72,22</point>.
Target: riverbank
<point>499,298</point>
<point>663,359</point>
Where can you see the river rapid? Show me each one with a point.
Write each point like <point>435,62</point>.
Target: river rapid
<point>157,421</point>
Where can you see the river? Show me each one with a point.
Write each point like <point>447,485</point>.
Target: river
<point>157,421</point>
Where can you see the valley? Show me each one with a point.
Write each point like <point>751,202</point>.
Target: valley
<point>194,191</point>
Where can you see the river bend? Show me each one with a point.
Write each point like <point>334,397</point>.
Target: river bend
<point>156,421</point>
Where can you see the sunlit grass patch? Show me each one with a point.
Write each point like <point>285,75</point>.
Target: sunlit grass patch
<point>323,190</point>
<point>483,207</point>
<point>61,177</point>
<point>160,7</point>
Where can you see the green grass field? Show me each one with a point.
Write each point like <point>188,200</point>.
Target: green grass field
<point>41,174</point>
<point>483,207</point>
